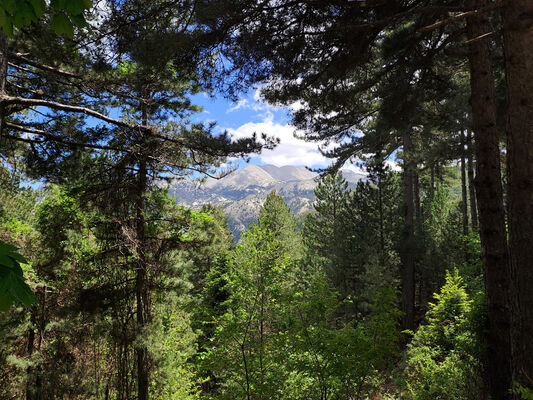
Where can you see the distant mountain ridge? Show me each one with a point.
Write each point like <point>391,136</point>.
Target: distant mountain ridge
<point>242,193</point>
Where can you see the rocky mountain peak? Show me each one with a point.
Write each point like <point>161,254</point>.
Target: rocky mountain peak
<point>242,193</point>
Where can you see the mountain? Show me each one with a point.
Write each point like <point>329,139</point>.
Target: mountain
<point>242,193</point>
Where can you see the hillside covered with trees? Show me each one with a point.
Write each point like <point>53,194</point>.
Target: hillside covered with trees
<point>414,283</point>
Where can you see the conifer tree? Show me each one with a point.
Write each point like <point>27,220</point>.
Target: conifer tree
<point>398,42</point>
<point>151,138</point>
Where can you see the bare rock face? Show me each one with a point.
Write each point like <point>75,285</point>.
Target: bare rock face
<point>242,193</point>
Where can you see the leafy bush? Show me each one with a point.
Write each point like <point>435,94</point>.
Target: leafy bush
<point>442,359</point>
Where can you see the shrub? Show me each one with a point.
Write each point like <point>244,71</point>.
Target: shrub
<point>442,359</point>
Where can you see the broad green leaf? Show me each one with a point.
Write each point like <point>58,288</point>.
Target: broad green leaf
<point>77,7</point>
<point>5,23</point>
<point>59,4</point>
<point>5,303</point>
<point>7,261</point>
<point>11,6</point>
<point>13,289</point>
<point>39,7</point>
<point>11,251</point>
<point>7,248</point>
<point>78,20</point>
<point>18,257</point>
<point>62,25</point>
<point>24,15</point>
<point>22,293</point>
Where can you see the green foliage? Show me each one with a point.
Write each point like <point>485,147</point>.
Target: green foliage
<point>275,217</point>
<point>65,14</point>
<point>13,288</point>
<point>522,392</point>
<point>172,343</point>
<point>443,357</point>
<point>341,360</point>
<point>352,237</point>
<point>280,337</point>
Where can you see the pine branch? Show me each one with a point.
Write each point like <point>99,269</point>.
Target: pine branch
<point>458,17</point>
<point>56,138</point>
<point>20,57</point>
<point>7,100</point>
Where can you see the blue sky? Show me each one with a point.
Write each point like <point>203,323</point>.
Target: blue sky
<point>249,114</point>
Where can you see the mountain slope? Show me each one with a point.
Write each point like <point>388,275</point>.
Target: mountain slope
<point>242,193</point>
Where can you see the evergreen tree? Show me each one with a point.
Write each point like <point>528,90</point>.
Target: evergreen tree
<point>353,236</point>
<point>275,217</point>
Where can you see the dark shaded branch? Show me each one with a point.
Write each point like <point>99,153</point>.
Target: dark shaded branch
<point>65,107</point>
<point>458,17</point>
<point>58,139</point>
<point>25,60</point>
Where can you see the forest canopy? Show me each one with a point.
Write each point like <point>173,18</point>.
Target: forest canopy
<point>413,283</point>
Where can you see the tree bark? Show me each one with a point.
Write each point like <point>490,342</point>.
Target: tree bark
<point>3,76</point>
<point>31,346</point>
<point>471,189</point>
<point>416,195</point>
<point>464,201</point>
<point>141,282</point>
<point>518,43</point>
<point>489,193</point>
<point>407,252</point>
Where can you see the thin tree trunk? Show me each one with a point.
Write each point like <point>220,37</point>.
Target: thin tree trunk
<point>416,195</point>
<point>491,211</point>
<point>471,188</point>
<point>464,202</point>
<point>381,219</point>
<point>407,252</point>
<point>31,346</point>
<point>3,76</point>
<point>141,282</point>
<point>431,194</point>
<point>518,42</point>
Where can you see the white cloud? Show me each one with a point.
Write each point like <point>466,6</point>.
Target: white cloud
<point>243,103</point>
<point>290,151</point>
<point>354,168</point>
<point>393,165</point>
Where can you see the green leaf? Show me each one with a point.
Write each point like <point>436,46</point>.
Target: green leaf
<point>5,23</point>
<point>77,7</point>
<point>24,15</point>
<point>7,261</point>
<point>79,20</point>
<point>39,7</point>
<point>59,4</point>
<point>7,248</point>
<point>11,251</point>
<point>11,6</point>
<point>62,25</point>
<point>13,289</point>
<point>5,303</point>
<point>18,257</point>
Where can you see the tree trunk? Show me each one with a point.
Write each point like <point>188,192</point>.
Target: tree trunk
<point>416,195</point>
<point>471,188</point>
<point>407,252</point>
<point>141,289</point>
<point>31,346</point>
<point>464,201</point>
<point>381,219</point>
<point>518,42</point>
<point>141,282</point>
<point>491,211</point>
<point>3,76</point>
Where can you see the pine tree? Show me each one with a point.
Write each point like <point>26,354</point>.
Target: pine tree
<point>395,42</point>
